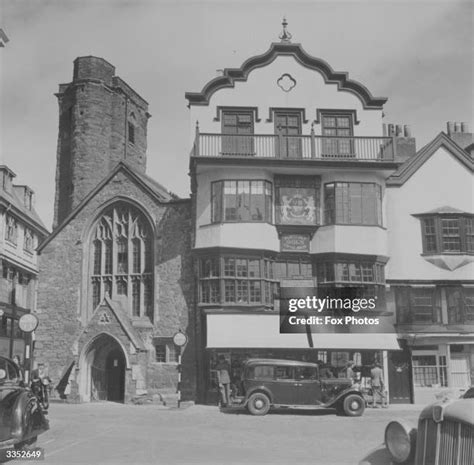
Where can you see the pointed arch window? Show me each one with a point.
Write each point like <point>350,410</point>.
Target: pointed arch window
<point>122,259</point>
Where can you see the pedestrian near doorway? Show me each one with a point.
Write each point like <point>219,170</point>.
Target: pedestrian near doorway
<point>376,376</point>
<point>223,378</point>
<point>350,371</point>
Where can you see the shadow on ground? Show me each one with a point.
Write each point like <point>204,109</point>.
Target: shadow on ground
<point>285,411</point>
<point>378,456</point>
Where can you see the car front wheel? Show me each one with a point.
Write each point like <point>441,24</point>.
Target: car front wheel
<point>353,405</point>
<point>258,404</point>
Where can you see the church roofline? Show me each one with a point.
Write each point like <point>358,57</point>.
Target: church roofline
<point>231,75</point>
<point>151,186</point>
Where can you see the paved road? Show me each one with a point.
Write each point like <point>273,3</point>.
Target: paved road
<point>108,433</point>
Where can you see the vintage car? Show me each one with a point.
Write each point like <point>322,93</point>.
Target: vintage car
<point>21,417</point>
<point>270,383</point>
<point>445,435</point>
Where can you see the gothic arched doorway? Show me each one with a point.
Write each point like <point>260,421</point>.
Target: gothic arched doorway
<point>103,370</point>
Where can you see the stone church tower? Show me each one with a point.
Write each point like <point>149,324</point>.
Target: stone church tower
<point>101,121</point>
<point>116,278</point>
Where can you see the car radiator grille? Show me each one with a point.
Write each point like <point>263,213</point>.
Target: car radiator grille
<point>444,443</point>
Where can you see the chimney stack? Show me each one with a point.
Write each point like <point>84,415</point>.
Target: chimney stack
<point>404,141</point>
<point>460,133</point>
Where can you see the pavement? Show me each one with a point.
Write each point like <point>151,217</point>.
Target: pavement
<point>109,433</point>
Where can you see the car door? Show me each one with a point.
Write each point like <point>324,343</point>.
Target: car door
<point>308,389</point>
<point>5,401</point>
<point>283,385</point>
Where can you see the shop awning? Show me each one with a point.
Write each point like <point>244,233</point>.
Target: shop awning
<point>263,331</point>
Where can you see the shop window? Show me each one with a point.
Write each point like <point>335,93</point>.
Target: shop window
<point>418,305</point>
<point>241,201</point>
<point>429,370</point>
<point>447,234</point>
<point>353,203</point>
<point>322,356</point>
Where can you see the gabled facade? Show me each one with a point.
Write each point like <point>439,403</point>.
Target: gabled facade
<point>116,274</point>
<point>431,269</point>
<point>288,167</point>
<point>21,230</point>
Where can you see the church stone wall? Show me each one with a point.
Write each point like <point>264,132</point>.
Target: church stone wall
<point>64,297</point>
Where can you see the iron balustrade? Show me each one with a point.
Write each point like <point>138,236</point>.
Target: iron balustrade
<point>294,147</point>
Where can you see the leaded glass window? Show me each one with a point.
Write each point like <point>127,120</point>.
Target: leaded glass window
<point>121,259</point>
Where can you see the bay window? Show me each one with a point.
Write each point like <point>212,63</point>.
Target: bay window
<point>241,201</point>
<point>353,203</point>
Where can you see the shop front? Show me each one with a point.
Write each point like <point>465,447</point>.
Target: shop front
<point>239,337</point>
<point>12,339</point>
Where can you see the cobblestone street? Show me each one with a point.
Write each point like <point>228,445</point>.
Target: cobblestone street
<point>108,433</point>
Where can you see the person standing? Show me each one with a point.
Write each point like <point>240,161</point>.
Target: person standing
<point>376,376</point>
<point>223,379</point>
<point>350,371</point>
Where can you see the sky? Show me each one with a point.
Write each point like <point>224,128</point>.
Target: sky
<point>419,54</point>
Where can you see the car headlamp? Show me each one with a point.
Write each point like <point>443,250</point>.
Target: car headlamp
<point>400,440</point>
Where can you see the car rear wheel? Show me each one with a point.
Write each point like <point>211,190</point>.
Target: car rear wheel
<point>353,405</point>
<point>258,404</point>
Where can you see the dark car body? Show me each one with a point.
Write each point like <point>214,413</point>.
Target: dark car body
<point>273,383</point>
<point>469,394</point>
<point>21,417</point>
<point>444,436</point>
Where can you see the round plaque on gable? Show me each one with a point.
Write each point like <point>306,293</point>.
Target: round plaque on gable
<point>28,323</point>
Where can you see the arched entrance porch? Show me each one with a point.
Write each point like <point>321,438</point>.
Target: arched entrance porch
<point>102,370</point>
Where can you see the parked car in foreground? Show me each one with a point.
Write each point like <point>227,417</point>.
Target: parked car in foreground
<point>21,417</point>
<point>270,383</point>
<point>445,435</point>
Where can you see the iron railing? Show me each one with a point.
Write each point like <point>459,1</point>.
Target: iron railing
<point>294,147</point>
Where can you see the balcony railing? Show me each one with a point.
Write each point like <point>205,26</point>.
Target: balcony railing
<point>294,147</point>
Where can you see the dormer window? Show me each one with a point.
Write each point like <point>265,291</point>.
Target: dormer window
<point>447,234</point>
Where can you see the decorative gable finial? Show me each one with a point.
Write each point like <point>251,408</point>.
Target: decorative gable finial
<point>285,36</point>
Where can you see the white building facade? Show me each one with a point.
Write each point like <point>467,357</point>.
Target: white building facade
<point>288,169</point>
